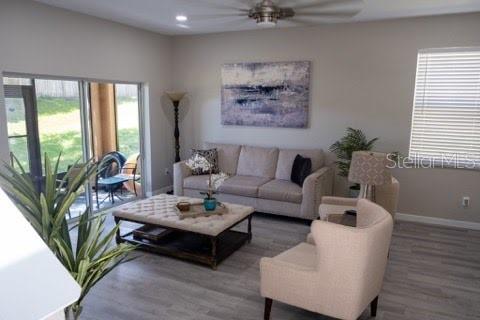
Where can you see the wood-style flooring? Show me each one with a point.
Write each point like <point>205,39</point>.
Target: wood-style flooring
<point>433,274</point>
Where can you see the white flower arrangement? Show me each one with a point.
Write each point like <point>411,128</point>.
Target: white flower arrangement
<point>217,180</point>
<point>214,181</point>
<point>199,162</point>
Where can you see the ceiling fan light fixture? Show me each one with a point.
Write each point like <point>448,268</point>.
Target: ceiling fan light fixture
<point>181,18</point>
<point>266,13</point>
<point>266,21</point>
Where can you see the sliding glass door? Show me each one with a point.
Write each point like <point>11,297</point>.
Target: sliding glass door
<point>59,124</point>
<point>80,120</point>
<point>127,114</point>
<point>43,117</point>
<point>17,97</point>
<point>116,142</point>
<point>59,121</point>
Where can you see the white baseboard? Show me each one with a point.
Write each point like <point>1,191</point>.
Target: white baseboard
<point>159,191</point>
<point>438,221</point>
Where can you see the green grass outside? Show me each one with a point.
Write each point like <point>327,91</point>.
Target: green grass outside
<point>49,106</point>
<point>18,147</point>
<point>70,145</point>
<point>45,105</point>
<point>69,142</point>
<point>130,142</point>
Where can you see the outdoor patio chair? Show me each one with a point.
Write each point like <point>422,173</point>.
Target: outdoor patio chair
<point>131,170</point>
<point>107,178</point>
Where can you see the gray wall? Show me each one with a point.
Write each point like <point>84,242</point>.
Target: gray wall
<point>39,39</point>
<point>363,76</point>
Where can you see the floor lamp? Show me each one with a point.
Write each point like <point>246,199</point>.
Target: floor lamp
<point>176,97</point>
<point>369,169</point>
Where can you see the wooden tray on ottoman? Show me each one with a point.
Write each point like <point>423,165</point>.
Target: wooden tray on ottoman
<point>198,210</point>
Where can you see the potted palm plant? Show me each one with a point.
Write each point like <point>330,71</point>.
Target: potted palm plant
<point>354,140</point>
<point>92,254</point>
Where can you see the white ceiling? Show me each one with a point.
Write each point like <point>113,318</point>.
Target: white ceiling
<point>206,16</point>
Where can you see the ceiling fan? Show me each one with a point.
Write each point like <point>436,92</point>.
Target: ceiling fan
<point>267,13</point>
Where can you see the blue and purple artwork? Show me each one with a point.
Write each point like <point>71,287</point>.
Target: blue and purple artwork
<point>274,94</point>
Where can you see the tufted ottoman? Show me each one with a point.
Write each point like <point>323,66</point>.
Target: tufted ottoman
<point>207,240</point>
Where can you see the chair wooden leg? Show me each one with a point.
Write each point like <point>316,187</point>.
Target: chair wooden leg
<point>268,308</point>
<point>373,307</point>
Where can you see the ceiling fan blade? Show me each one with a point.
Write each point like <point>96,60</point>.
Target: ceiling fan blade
<point>242,5</point>
<point>235,22</point>
<point>296,22</point>
<point>202,17</point>
<point>281,3</point>
<point>329,3</point>
<point>308,21</point>
<point>338,14</point>
<point>246,3</point>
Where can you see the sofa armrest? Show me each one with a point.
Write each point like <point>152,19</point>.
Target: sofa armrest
<point>180,172</point>
<point>315,186</point>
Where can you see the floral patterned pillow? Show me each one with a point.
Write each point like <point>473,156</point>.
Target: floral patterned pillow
<point>211,155</point>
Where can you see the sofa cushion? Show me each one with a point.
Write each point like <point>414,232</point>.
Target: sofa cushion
<point>227,156</point>
<point>196,182</point>
<point>246,186</point>
<point>281,190</point>
<point>287,156</point>
<point>257,161</point>
<point>302,168</point>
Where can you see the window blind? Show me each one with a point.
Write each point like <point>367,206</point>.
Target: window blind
<point>446,110</point>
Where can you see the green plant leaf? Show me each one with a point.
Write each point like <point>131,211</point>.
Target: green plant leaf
<point>65,253</point>
<point>95,254</point>
<point>354,140</point>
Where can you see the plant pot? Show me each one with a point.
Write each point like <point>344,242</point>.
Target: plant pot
<point>210,204</point>
<point>354,191</point>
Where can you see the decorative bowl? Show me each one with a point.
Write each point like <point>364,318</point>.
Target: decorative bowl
<point>183,206</point>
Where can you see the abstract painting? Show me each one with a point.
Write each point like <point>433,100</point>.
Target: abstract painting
<point>274,94</point>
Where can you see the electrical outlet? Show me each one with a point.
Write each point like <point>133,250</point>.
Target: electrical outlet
<point>465,202</point>
<point>167,171</point>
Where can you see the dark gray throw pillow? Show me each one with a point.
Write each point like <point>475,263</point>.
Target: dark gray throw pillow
<point>212,157</point>
<point>302,167</point>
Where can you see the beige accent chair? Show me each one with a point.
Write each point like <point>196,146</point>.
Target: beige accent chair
<point>260,178</point>
<point>386,196</point>
<point>340,275</point>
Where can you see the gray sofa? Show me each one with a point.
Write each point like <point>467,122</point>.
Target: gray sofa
<point>260,177</point>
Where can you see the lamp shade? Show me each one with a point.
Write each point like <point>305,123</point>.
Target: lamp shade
<point>175,95</point>
<point>368,168</point>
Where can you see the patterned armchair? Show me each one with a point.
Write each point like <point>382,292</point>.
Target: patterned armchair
<point>339,275</point>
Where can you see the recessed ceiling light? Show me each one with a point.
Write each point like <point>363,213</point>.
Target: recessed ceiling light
<point>181,18</point>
